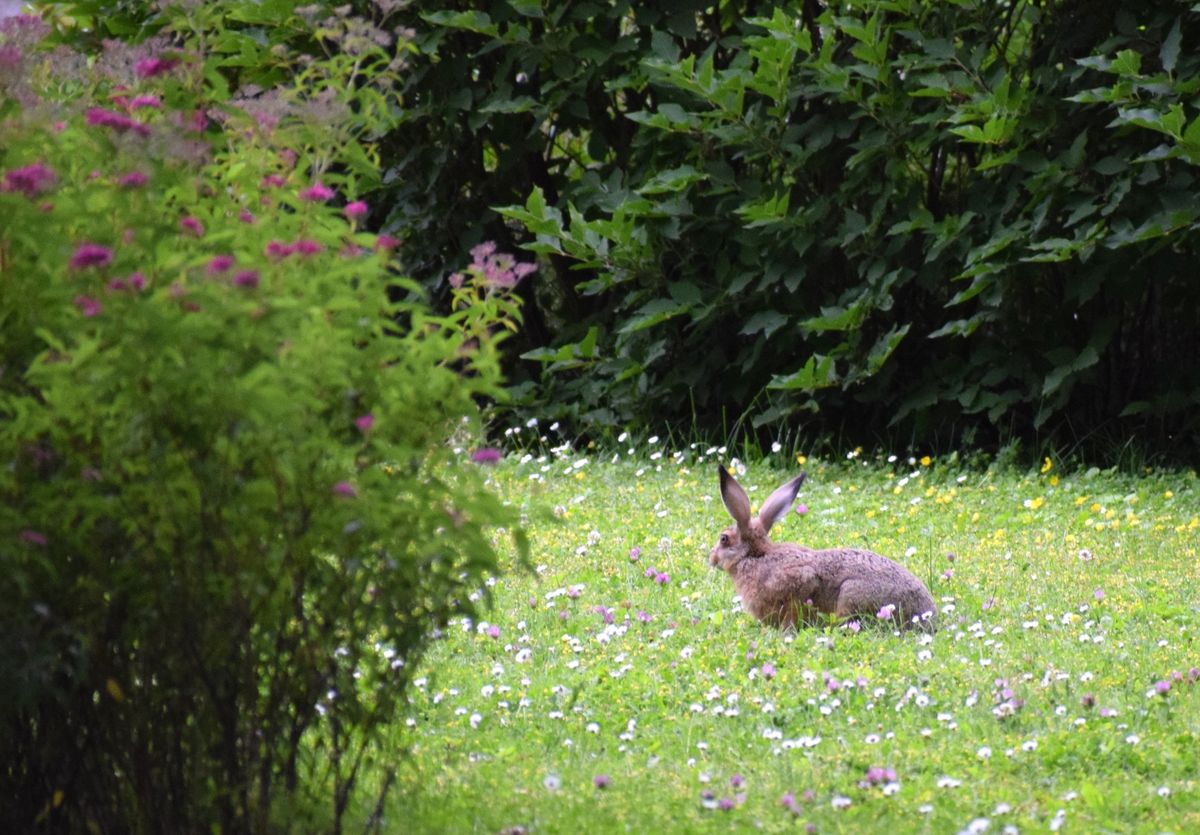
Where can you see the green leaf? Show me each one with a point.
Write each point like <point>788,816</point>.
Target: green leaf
<point>819,372</point>
<point>1110,165</point>
<point>685,292</point>
<point>539,218</point>
<point>766,212</point>
<point>883,348</point>
<point>933,85</point>
<point>1096,95</point>
<point>52,341</point>
<point>1128,62</point>
<point>652,313</point>
<point>478,22</point>
<point>529,8</point>
<point>1169,53</point>
<point>1085,359</point>
<point>1191,136</point>
<point>970,133</point>
<point>663,47</point>
<point>958,327</point>
<point>517,104</point>
<point>1095,62</point>
<point>982,281</point>
<point>998,160</point>
<point>569,356</point>
<point>587,345</point>
<point>675,114</point>
<point>766,321</point>
<point>672,180</point>
<point>1084,210</point>
<point>834,319</point>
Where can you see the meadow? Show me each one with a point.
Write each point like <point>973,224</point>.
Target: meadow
<point>616,685</point>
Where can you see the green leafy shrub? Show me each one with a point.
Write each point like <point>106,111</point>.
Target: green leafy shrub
<point>933,219</point>
<point>936,221</point>
<point>236,499</point>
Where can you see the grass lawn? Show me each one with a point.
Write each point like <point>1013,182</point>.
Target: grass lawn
<point>611,690</point>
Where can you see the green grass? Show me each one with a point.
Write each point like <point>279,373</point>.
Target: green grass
<point>1063,586</point>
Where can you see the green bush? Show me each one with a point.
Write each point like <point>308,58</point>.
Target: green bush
<point>935,220</point>
<point>236,494</point>
<point>940,222</point>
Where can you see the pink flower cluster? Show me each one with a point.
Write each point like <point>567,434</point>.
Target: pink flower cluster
<point>135,281</point>
<point>94,255</point>
<point>486,455</point>
<point>34,537</point>
<point>317,193</point>
<point>877,774</point>
<point>660,577</point>
<point>495,269</point>
<point>220,264</point>
<point>24,29</point>
<point>1163,686</point>
<point>499,269</point>
<point>117,121</point>
<point>88,306</point>
<point>31,180</point>
<point>90,255</point>
<point>153,67</point>
<point>134,179</point>
<point>11,56</point>
<point>103,286</point>
<point>192,226</point>
<point>304,247</point>
<point>1005,701</point>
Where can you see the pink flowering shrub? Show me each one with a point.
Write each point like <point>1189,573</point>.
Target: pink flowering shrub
<point>229,515</point>
<point>492,270</point>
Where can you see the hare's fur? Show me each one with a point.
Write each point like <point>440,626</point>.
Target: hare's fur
<point>785,584</point>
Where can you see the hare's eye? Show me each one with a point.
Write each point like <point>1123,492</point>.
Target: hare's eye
<point>724,539</point>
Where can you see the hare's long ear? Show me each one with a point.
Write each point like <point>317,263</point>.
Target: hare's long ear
<point>780,502</point>
<point>736,501</point>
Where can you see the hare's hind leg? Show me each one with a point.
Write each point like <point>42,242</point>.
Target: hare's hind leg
<point>854,600</point>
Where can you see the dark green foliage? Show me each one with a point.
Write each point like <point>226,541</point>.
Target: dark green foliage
<point>933,219</point>
<point>235,495</point>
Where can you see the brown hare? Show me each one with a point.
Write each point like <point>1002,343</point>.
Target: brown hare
<point>783,583</point>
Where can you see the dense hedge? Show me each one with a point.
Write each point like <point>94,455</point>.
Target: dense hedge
<point>927,219</point>
<point>934,221</point>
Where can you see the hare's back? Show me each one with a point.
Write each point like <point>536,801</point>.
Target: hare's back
<point>845,563</point>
